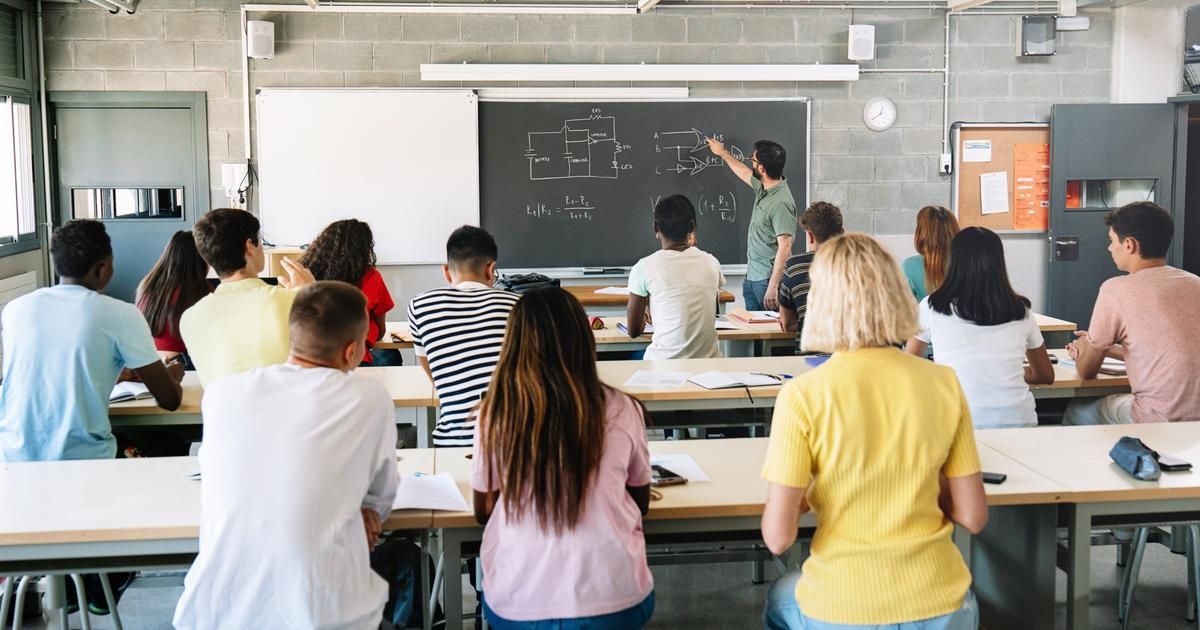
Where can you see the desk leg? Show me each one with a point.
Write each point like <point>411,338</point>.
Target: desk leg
<point>1079,570</point>
<point>427,618</point>
<point>425,423</point>
<point>1013,564</point>
<point>452,579</point>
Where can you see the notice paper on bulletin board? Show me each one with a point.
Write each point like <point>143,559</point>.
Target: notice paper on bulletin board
<point>1031,186</point>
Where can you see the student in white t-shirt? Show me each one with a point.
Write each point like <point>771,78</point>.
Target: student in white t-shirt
<point>980,327</point>
<point>299,468</point>
<point>684,282</point>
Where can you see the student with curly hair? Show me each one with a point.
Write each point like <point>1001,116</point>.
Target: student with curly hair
<point>345,251</point>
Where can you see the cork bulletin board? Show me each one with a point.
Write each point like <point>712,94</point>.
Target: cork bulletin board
<point>1002,176</point>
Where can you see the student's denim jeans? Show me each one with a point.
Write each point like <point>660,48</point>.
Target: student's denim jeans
<point>631,618</point>
<point>783,613</point>
<point>755,292</point>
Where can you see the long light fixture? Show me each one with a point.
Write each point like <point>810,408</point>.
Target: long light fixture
<point>637,72</point>
<point>451,8</point>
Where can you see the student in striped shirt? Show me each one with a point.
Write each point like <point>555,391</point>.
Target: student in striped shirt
<point>821,221</point>
<point>457,331</point>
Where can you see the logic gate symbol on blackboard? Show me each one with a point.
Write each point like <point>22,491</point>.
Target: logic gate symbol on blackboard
<point>581,148</point>
<point>687,148</point>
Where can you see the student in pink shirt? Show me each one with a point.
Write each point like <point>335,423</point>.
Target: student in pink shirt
<point>561,473</point>
<point>1148,318</point>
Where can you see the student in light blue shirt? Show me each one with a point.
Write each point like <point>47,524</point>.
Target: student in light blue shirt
<point>64,348</point>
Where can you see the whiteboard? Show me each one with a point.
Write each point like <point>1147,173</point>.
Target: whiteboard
<point>406,161</point>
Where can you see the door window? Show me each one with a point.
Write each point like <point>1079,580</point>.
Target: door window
<point>127,203</point>
<point>16,172</point>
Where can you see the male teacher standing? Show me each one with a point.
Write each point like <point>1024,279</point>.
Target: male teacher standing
<point>772,221</point>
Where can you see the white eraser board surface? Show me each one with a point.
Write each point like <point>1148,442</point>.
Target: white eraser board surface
<point>406,161</point>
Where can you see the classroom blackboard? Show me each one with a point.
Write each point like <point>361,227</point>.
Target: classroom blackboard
<point>573,184</point>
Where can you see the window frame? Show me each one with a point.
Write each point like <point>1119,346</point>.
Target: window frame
<point>23,90</point>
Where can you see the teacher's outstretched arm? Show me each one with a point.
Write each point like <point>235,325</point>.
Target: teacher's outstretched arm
<point>741,170</point>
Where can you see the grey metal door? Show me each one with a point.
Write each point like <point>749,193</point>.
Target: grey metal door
<point>138,166</point>
<point>1101,157</point>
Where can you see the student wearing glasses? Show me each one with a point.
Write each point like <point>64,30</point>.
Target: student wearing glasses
<point>772,221</point>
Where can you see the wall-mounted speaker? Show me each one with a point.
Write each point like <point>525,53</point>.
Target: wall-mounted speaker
<point>260,39</point>
<point>862,42</point>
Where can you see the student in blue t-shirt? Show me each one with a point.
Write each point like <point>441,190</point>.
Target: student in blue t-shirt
<point>64,348</point>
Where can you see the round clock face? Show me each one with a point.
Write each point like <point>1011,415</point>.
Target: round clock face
<point>879,114</point>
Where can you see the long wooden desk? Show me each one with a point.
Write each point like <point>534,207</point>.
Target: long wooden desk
<point>1100,492</point>
<point>408,386</point>
<point>730,503</point>
<point>120,514</point>
<point>610,338</point>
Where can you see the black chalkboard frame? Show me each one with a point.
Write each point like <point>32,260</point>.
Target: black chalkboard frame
<point>571,259</point>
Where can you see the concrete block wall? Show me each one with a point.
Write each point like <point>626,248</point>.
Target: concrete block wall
<point>879,179</point>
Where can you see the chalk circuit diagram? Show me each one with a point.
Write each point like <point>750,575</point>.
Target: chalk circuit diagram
<point>722,205</point>
<point>581,148</point>
<point>689,151</point>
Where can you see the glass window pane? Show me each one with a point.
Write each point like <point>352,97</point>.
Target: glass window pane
<point>127,203</point>
<point>1100,194</point>
<point>10,43</point>
<point>23,134</point>
<point>8,173</point>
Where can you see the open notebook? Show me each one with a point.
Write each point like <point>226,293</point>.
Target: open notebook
<point>129,390</point>
<point>714,379</point>
<point>1112,367</point>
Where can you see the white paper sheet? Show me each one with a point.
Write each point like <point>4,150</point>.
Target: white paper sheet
<point>429,492</point>
<point>613,291</point>
<point>648,378</point>
<point>682,464</point>
<point>977,151</point>
<point>724,325</point>
<point>993,192</point>
<point>129,390</point>
<point>714,379</point>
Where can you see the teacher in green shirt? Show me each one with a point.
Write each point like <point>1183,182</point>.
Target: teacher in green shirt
<point>772,221</point>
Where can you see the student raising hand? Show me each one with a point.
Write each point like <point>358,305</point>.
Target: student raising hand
<point>298,276</point>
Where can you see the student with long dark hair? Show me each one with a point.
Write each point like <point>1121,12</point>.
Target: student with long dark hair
<point>345,251</point>
<point>561,474</point>
<point>176,282</point>
<point>984,330</point>
<point>936,227</point>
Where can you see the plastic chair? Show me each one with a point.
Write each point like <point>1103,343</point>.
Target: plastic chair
<point>1130,577</point>
<point>56,594</point>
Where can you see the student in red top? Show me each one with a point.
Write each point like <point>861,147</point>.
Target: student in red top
<point>345,251</point>
<point>176,282</point>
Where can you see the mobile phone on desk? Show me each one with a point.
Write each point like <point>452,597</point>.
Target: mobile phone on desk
<point>1173,464</point>
<point>660,477</point>
<point>991,477</point>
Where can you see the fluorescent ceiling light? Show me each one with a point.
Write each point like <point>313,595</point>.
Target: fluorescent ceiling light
<point>963,5</point>
<point>461,8</point>
<point>590,93</point>
<point>637,72</point>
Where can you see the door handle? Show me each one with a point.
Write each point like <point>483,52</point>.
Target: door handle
<point>1066,248</point>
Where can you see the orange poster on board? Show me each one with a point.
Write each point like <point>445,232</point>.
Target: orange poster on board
<point>1031,186</point>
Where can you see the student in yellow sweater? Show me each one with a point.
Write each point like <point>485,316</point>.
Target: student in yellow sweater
<point>879,444</point>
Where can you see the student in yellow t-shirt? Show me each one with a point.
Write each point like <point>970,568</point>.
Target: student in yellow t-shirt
<point>879,444</point>
<point>244,323</point>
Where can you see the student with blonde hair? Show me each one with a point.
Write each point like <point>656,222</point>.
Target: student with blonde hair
<point>892,438</point>
<point>936,227</point>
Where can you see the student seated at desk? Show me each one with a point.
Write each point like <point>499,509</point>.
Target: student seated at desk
<point>936,227</point>
<point>1148,318</point>
<point>561,474</point>
<point>64,348</point>
<point>299,468</point>
<point>984,330</point>
<point>176,282</point>
<point>345,251</point>
<point>243,324</point>
<point>457,331</point>
<point>821,221</point>
<point>684,282</point>
<point>879,444</point>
